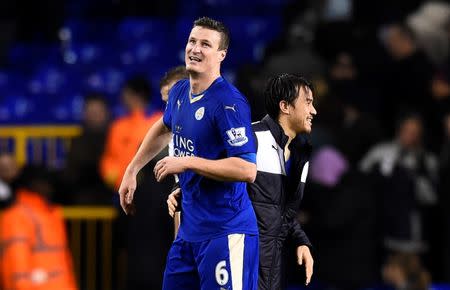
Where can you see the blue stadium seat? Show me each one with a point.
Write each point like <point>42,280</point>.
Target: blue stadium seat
<point>91,54</point>
<point>25,56</point>
<point>147,53</point>
<point>16,107</point>
<point>108,80</point>
<point>81,30</point>
<point>49,80</point>
<point>133,30</point>
<point>68,109</point>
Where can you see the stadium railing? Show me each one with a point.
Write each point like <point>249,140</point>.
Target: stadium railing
<point>38,144</point>
<point>90,233</point>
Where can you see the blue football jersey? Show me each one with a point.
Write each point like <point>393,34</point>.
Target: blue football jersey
<point>214,124</point>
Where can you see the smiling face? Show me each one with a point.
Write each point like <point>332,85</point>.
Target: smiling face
<point>302,111</point>
<point>202,52</point>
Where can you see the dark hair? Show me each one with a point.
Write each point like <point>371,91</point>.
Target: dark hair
<point>95,97</point>
<point>406,115</point>
<point>218,26</point>
<point>32,174</point>
<point>284,87</point>
<point>175,74</point>
<point>140,86</point>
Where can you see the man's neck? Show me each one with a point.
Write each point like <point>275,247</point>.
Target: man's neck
<point>201,82</point>
<point>288,132</point>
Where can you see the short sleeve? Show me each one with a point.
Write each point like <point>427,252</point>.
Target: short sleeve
<point>167,117</point>
<point>234,123</point>
<point>173,94</point>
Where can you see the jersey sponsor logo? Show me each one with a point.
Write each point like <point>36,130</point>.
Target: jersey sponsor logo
<point>199,113</point>
<point>237,136</point>
<point>182,146</point>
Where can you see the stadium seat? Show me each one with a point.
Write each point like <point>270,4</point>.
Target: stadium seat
<point>134,30</point>
<point>81,30</point>
<point>108,80</point>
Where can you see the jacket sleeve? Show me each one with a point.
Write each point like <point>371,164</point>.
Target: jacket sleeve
<point>295,231</point>
<point>15,252</point>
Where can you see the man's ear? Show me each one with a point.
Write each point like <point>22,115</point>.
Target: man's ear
<point>223,54</point>
<point>284,107</point>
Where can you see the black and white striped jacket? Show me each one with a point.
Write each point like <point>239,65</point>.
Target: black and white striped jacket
<point>276,197</point>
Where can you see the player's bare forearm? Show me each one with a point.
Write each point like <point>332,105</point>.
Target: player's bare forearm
<point>227,169</point>
<point>154,141</point>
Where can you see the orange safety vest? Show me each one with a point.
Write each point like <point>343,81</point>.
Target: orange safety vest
<point>33,246</point>
<point>124,138</point>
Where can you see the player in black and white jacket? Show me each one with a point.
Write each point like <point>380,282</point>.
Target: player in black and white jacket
<point>282,163</point>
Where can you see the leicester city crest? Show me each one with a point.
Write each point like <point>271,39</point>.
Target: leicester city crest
<point>199,113</point>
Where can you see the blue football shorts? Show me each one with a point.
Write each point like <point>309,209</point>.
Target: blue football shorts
<point>229,262</point>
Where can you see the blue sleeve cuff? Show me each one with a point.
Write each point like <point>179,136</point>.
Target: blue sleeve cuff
<point>250,157</point>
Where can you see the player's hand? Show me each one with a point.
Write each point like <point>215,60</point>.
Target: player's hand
<point>126,192</point>
<point>169,165</point>
<point>172,202</point>
<point>304,256</point>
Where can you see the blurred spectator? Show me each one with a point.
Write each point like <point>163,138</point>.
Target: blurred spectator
<point>127,133</point>
<point>82,178</point>
<point>298,54</point>
<point>9,171</point>
<point>429,24</point>
<point>407,75</point>
<point>340,219</point>
<point>35,253</point>
<point>404,175</point>
<point>170,78</point>
<point>358,130</point>
<point>404,271</point>
<point>440,102</point>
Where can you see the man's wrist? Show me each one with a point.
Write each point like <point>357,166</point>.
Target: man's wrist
<point>132,170</point>
<point>189,162</point>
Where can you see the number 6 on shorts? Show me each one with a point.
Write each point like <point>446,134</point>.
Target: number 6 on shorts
<point>221,273</point>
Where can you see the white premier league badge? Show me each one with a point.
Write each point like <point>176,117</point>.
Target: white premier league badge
<point>199,113</point>
<point>237,136</point>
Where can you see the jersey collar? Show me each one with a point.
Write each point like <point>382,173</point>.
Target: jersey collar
<point>197,97</point>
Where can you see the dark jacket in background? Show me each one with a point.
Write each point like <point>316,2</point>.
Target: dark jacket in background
<point>276,198</point>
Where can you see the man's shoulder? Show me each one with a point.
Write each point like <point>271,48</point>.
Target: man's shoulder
<point>228,91</point>
<point>260,126</point>
<point>179,85</point>
<point>14,214</point>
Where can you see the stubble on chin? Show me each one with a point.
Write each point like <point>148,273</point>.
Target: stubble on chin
<point>192,73</point>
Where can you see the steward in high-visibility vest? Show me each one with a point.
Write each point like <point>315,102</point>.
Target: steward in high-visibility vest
<point>34,253</point>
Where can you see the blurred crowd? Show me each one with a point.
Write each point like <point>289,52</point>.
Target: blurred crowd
<point>376,205</point>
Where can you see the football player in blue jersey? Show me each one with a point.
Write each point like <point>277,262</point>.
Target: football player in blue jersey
<point>214,157</point>
<point>282,167</point>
